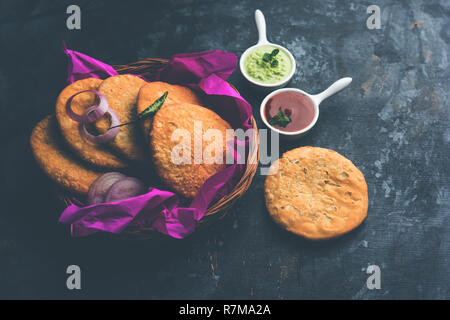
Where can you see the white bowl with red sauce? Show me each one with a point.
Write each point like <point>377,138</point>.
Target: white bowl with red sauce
<point>300,107</point>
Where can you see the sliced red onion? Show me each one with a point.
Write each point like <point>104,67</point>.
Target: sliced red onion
<point>125,188</point>
<point>99,188</point>
<point>93,114</point>
<point>102,138</point>
<point>102,105</point>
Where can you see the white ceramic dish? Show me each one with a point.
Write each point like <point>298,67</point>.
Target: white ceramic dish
<point>261,26</point>
<point>316,100</point>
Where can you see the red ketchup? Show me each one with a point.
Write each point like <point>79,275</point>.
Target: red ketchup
<point>297,106</point>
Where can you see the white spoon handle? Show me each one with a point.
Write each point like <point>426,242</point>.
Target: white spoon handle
<point>261,26</point>
<point>333,89</point>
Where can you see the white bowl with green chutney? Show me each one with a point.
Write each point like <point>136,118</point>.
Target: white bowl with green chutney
<point>266,65</point>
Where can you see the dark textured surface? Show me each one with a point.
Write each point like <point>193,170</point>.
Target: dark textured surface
<point>392,122</point>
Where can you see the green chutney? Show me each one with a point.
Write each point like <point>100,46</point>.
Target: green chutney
<point>260,71</point>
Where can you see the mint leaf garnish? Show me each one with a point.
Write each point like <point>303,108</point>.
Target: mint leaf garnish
<point>148,112</point>
<point>270,58</point>
<point>281,119</point>
<point>155,106</point>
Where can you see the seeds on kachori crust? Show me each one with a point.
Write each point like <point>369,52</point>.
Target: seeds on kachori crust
<point>96,154</point>
<point>154,90</point>
<point>316,193</point>
<point>59,165</point>
<point>122,92</point>
<point>184,178</point>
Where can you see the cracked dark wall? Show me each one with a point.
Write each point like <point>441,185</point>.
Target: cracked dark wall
<point>392,122</point>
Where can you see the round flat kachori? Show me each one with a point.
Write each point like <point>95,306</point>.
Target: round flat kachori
<point>96,154</point>
<point>175,126</point>
<point>154,90</point>
<point>316,193</point>
<point>122,93</point>
<point>59,165</point>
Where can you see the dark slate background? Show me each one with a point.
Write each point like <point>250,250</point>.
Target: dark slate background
<point>392,122</point>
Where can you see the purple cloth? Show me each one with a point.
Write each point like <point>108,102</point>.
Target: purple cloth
<point>81,66</point>
<point>206,71</point>
<point>190,68</point>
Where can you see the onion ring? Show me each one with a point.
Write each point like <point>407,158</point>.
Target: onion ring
<point>93,114</point>
<point>105,137</point>
<point>102,105</point>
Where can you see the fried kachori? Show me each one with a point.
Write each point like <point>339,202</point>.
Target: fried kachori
<point>176,130</point>
<point>316,193</point>
<point>122,92</point>
<point>61,166</point>
<point>96,154</point>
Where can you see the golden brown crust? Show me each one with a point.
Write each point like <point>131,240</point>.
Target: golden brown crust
<point>96,154</point>
<point>154,90</point>
<point>316,193</point>
<point>122,92</point>
<point>185,179</point>
<point>56,162</point>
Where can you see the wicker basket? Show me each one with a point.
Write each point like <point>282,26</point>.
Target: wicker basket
<point>148,68</point>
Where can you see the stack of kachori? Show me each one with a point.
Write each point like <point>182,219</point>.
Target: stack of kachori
<point>57,162</point>
<point>74,162</point>
<point>95,154</point>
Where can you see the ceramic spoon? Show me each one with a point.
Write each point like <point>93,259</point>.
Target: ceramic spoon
<point>262,41</point>
<point>316,99</point>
